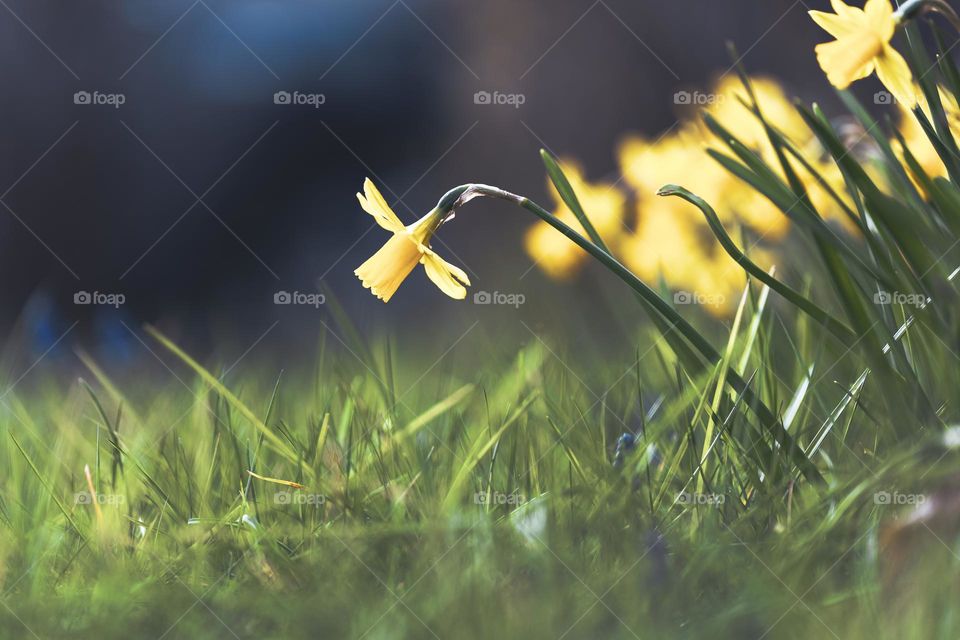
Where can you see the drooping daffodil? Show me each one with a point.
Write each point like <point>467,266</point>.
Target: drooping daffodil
<point>862,46</point>
<point>386,270</point>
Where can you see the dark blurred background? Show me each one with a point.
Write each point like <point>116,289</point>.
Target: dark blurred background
<point>199,196</point>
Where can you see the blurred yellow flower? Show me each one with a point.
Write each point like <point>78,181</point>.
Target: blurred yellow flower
<point>388,268</point>
<point>603,204</point>
<point>647,166</point>
<point>862,46</point>
<point>670,241</point>
<point>665,244</point>
<point>673,245</point>
<point>777,109</point>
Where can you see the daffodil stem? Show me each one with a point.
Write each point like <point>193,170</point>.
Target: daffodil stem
<point>462,194</point>
<point>913,8</point>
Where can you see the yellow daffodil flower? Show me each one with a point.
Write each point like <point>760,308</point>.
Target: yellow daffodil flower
<point>410,245</point>
<point>553,252</point>
<point>862,46</point>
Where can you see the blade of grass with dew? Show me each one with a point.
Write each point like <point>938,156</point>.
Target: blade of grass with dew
<point>837,412</point>
<point>793,407</point>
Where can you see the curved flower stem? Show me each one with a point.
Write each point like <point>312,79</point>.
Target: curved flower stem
<point>649,295</point>
<point>913,8</point>
<point>460,195</point>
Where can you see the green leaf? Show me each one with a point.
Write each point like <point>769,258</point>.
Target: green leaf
<point>569,197</point>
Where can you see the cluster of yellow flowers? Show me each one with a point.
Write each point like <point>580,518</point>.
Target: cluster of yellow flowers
<point>668,239</point>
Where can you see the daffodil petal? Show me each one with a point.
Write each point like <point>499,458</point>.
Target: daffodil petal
<point>386,270</point>
<point>848,59</point>
<point>842,8</point>
<point>373,203</point>
<point>879,14</point>
<point>895,75</point>
<point>445,275</point>
<point>836,25</point>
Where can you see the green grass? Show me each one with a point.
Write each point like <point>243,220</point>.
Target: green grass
<point>390,539</point>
